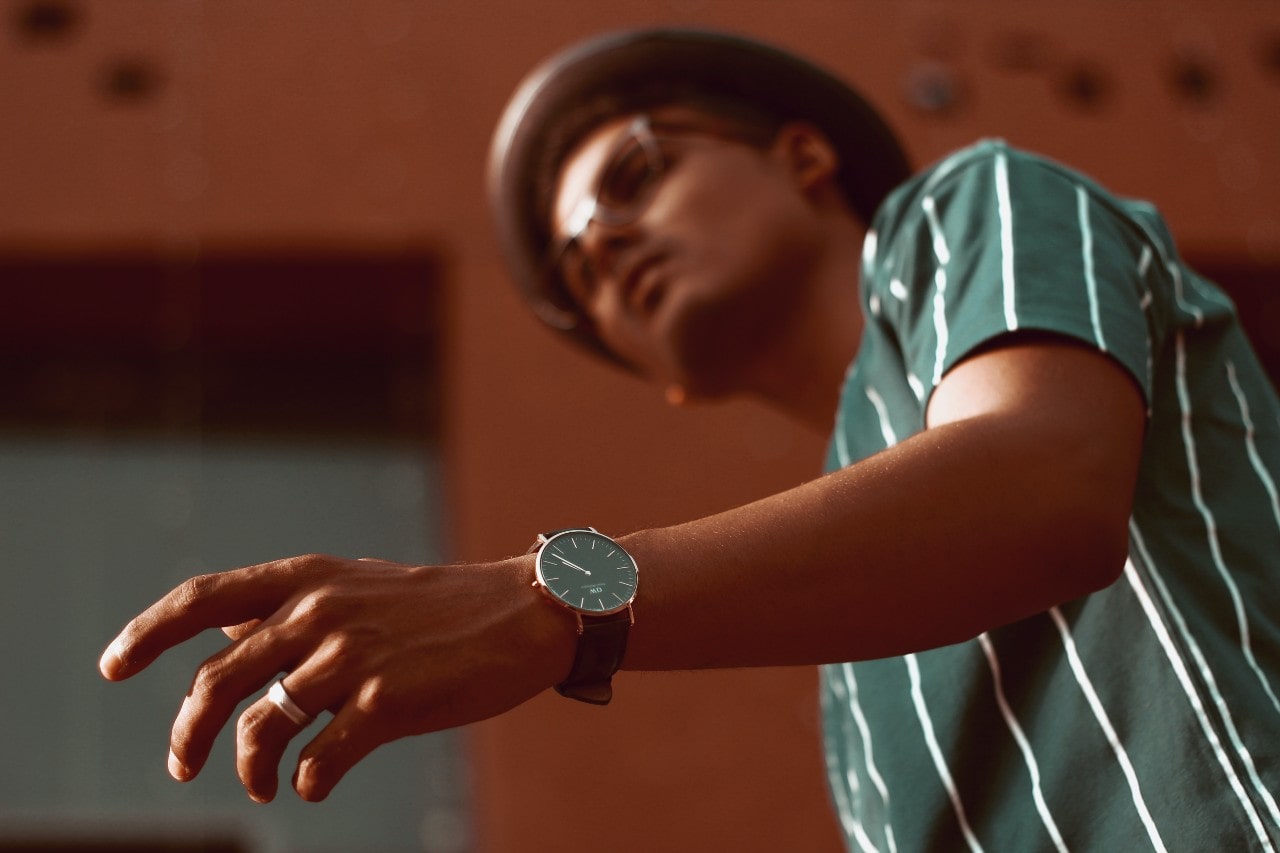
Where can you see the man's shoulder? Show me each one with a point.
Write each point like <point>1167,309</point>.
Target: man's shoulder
<point>904,208</point>
<point>981,172</point>
<point>985,155</point>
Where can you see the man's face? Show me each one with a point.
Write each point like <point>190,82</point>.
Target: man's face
<point>697,246</point>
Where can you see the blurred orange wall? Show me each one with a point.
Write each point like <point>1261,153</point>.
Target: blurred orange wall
<point>308,125</point>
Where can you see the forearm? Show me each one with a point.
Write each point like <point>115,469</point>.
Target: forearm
<point>958,530</point>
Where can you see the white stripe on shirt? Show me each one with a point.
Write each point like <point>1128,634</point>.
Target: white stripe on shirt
<point>864,732</point>
<point>943,254</point>
<point>845,790</point>
<point>1028,755</point>
<point>1194,310</point>
<point>841,428</point>
<point>850,683</point>
<point>1210,683</point>
<point>945,168</point>
<point>886,429</point>
<point>1250,444</point>
<point>1144,264</point>
<point>1210,523</point>
<point>938,239</point>
<point>940,332</point>
<point>1086,252</point>
<point>917,387</point>
<point>1006,239</point>
<point>1100,714</point>
<point>935,751</point>
<point>869,244</point>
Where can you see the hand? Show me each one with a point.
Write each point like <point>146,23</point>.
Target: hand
<point>391,650</point>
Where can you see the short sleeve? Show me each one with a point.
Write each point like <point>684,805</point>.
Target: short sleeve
<point>999,241</point>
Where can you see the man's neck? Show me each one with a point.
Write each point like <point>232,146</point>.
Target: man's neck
<point>802,375</point>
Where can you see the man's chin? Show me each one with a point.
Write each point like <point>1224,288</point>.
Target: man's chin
<point>709,348</point>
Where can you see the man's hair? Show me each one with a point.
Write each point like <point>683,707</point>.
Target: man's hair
<point>728,77</point>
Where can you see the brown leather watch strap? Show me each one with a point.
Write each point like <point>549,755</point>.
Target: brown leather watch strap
<point>601,646</point>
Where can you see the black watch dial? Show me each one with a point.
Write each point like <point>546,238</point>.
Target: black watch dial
<point>587,571</point>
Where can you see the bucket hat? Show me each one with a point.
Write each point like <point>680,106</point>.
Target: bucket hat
<point>634,70</point>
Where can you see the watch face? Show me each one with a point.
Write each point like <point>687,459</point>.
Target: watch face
<point>587,571</point>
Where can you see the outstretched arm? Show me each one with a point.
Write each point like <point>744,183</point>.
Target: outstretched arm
<point>1015,499</point>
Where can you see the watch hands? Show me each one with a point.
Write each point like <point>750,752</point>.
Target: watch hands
<point>573,565</point>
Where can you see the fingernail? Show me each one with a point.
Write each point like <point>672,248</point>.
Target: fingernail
<point>177,769</point>
<point>111,659</point>
<point>303,779</point>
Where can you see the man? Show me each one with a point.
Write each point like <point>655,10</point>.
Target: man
<point>1054,566</point>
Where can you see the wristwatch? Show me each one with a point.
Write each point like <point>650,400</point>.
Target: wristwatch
<point>594,577</point>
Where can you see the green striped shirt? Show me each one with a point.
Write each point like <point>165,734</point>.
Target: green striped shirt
<point>1143,716</point>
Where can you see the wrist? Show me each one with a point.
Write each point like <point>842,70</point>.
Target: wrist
<point>549,633</point>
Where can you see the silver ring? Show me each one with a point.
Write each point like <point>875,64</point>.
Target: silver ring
<point>277,696</point>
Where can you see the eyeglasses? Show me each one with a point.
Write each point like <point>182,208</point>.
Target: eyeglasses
<point>633,170</point>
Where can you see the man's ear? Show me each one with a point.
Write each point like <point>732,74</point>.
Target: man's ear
<point>809,155</point>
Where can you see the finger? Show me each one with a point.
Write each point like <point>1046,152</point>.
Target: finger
<point>265,729</point>
<point>219,685</point>
<point>205,601</point>
<point>350,736</point>
<point>262,734</point>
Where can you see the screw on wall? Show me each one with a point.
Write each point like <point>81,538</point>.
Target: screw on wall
<point>1194,79</point>
<point>934,88</point>
<point>46,21</point>
<point>130,80</point>
<point>1085,85</point>
<point>1269,53</point>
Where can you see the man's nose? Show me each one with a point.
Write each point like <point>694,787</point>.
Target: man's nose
<point>603,243</point>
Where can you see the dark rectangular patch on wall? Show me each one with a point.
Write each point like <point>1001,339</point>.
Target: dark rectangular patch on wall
<point>305,343</point>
